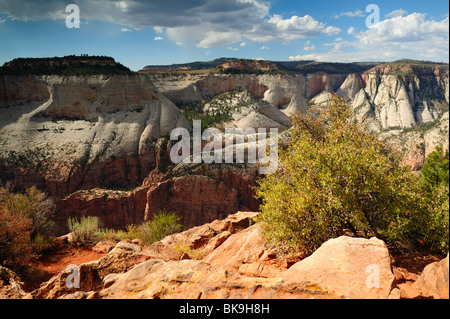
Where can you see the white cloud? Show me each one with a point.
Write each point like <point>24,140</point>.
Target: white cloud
<point>351,30</point>
<point>243,44</point>
<point>396,13</point>
<point>214,38</point>
<point>309,48</point>
<point>158,38</point>
<point>351,14</point>
<point>412,28</point>
<point>125,30</point>
<point>277,29</point>
<point>158,29</point>
<point>264,48</point>
<point>412,36</point>
<point>232,49</point>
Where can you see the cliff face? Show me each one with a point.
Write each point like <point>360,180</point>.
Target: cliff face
<point>83,131</point>
<point>66,133</point>
<point>390,97</point>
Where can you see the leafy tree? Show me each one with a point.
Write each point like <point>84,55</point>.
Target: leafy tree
<point>334,177</point>
<point>435,179</point>
<point>435,171</point>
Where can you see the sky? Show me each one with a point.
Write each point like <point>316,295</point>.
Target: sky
<point>137,33</point>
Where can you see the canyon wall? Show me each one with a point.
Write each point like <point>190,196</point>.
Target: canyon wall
<point>69,134</point>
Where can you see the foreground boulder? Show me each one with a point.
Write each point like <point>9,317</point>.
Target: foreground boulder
<point>229,258</point>
<point>196,279</point>
<point>10,284</point>
<point>350,267</point>
<point>432,283</point>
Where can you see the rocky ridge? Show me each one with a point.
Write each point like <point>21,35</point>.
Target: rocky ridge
<point>229,259</point>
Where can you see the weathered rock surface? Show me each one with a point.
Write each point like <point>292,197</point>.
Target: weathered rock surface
<point>90,131</point>
<point>432,283</point>
<point>228,258</point>
<point>350,267</point>
<point>123,257</point>
<point>66,133</point>
<point>10,285</point>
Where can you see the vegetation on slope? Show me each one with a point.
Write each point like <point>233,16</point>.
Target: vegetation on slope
<point>335,178</point>
<point>25,226</point>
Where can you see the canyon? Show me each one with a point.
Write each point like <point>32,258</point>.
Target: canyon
<point>99,144</point>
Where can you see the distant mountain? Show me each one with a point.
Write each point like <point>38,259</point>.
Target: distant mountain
<point>67,65</point>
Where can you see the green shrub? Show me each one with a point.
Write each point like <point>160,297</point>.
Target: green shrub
<point>86,230</point>
<point>25,227</point>
<point>334,177</point>
<point>163,224</point>
<point>435,221</point>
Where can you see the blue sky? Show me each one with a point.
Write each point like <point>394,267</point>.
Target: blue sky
<point>138,33</point>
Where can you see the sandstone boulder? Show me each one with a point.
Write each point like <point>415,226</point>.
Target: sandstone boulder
<point>433,282</point>
<point>350,267</point>
<point>195,279</point>
<point>10,285</point>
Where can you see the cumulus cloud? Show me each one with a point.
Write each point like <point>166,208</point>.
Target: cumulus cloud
<point>308,46</point>
<point>158,38</point>
<point>396,13</point>
<point>205,23</point>
<point>213,39</point>
<point>412,36</point>
<point>400,30</point>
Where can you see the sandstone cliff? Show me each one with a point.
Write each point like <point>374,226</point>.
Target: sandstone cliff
<point>66,133</point>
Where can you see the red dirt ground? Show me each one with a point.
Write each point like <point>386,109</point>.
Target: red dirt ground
<point>53,262</point>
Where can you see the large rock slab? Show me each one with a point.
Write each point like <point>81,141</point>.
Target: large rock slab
<point>196,279</point>
<point>351,267</point>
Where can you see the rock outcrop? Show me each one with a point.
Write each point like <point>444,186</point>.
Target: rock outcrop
<point>10,285</point>
<point>229,259</point>
<point>432,283</point>
<point>350,267</point>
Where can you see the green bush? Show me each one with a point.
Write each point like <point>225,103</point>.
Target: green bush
<point>25,225</point>
<point>334,177</point>
<point>435,180</point>
<point>84,231</point>
<point>163,224</point>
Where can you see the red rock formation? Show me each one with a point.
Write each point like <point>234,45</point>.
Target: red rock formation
<point>24,88</point>
<point>317,83</point>
<point>114,208</point>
